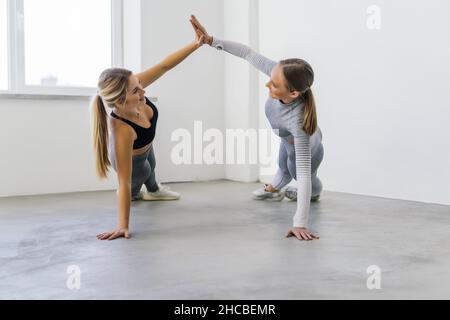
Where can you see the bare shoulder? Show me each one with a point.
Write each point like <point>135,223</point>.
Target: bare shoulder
<point>121,131</point>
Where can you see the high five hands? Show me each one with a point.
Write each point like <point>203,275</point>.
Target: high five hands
<point>199,39</point>
<point>200,31</point>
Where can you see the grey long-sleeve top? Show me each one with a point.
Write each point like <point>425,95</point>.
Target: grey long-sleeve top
<point>286,121</point>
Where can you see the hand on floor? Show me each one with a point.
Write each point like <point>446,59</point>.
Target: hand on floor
<point>119,233</point>
<point>301,234</point>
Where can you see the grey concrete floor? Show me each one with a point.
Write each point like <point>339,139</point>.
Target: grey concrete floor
<point>217,243</point>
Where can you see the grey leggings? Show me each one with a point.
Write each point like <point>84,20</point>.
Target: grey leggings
<point>287,168</point>
<point>143,172</point>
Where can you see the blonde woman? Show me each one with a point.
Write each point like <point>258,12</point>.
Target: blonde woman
<point>291,111</point>
<point>123,139</point>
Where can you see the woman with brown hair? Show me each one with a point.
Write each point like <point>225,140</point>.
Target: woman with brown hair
<point>291,111</point>
<point>130,133</point>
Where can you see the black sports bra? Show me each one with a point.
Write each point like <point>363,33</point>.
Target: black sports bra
<point>144,135</point>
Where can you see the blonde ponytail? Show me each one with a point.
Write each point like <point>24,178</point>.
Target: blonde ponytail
<point>100,137</point>
<point>112,89</point>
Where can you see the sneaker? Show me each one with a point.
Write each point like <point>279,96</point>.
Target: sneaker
<point>262,194</point>
<point>291,194</point>
<point>163,193</point>
<point>138,197</point>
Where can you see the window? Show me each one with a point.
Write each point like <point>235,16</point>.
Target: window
<point>3,45</point>
<point>61,46</point>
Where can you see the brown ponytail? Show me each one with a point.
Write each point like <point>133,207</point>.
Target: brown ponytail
<point>300,77</point>
<point>310,117</point>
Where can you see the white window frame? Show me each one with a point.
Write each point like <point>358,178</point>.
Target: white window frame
<point>16,54</point>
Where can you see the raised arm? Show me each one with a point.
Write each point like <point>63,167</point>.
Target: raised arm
<point>259,61</point>
<point>150,75</point>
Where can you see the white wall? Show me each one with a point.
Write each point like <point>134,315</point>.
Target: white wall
<point>382,95</point>
<point>190,92</point>
<point>46,148</point>
<point>241,82</point>
<point>132,34</point>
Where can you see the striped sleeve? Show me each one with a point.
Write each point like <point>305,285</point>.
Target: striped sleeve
<point>303,171</point>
